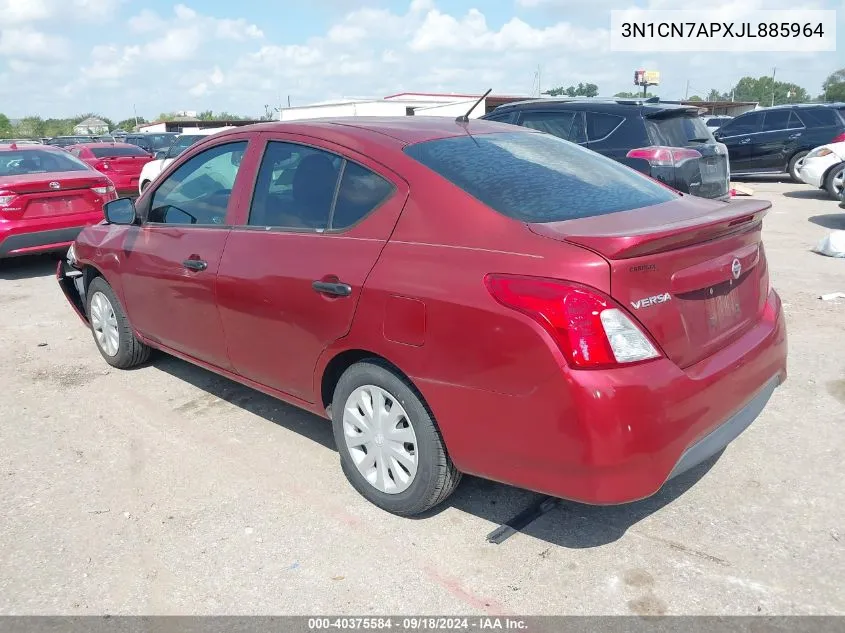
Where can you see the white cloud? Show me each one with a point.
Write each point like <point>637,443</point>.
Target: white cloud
<point>14,12</point>
<point>26,43</point>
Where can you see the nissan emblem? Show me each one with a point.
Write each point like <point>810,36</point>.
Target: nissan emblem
<point>736,268</point>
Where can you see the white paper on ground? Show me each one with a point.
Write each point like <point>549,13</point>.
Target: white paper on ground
<point>832,244</point>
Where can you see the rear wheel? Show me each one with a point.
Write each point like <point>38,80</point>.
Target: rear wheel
<point>794,164</point>
<point>834,181</point>
<point>113,335</point>
<point>390,448</point>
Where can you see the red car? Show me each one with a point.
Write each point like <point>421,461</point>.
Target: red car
<point>457,297</point>
<point>46,197</point>
<point>121,162</point>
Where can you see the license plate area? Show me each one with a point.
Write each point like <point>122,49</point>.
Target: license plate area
<point>723,307</point>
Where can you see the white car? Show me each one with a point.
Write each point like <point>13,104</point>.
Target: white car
<point>824,167</point>
<point>151,170</point>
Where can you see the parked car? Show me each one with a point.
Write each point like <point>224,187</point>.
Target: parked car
<point>65,141</point>
<point>668,142</point>
<point>121,162</point>
<point>776,140</point>
<point>46,196</point>
<point>824,167</point>
<point>713,123</point>
<point>457,297</point>
<point>151,142</point>
<point>163,158</point>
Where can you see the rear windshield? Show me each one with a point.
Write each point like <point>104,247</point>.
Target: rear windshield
<point>535,177</point>
<point>112,152</point>
<point>678,130</point>
<point>36,161</point>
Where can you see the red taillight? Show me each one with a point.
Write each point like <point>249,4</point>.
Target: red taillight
<point>105,189</point>
<point>664,156</point>
<point>839,139</point>
<point>7,200</point>
<point>102,165</point>
<point>589,328</point>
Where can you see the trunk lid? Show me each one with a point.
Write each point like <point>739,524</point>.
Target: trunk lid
<point>71,193</point>
<point>706,175</point>
<point>124,165</point>
<point>693,272</point>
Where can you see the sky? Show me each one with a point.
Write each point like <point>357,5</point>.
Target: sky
<point>117,57</point>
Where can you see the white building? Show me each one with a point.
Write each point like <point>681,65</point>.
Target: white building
<point>402,104</point>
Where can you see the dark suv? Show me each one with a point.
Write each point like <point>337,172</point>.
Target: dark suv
<point>668,142</point>
<point>775,140</point>
<point>152,141</point>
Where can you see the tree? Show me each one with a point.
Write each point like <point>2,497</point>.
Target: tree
<point>6,130</point>
<point>633,95</point>
<point>206,115</point>
<point>30,127</point>
<point>763,89</point>
<point>695,98</point>
<point>834,86</point>
<point>582,90</point>
<point>129,124</point>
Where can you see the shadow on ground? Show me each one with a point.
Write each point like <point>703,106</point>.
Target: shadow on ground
<point>29,266</point>
<point>809,194</point>
<point>835,221</point>
<point>570,525</point>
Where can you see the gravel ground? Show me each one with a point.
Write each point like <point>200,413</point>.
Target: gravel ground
<point>169,490</point>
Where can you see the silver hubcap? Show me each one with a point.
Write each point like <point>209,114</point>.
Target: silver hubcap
<point>839,181</point>
<point>380,439</point>
<point>104,324</point>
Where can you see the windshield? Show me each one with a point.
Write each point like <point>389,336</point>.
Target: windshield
<point>36,161</point>
<point>535,177</point>
<point>182,143</point>
<point>677,131</point>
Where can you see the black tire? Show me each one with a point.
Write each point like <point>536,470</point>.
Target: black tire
<point>436,477</point>
<point>130,351</point>
<point>792,168</point>
<point>828,181</point>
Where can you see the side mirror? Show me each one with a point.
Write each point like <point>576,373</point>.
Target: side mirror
<point>120,211</point>
<point>160,154</point>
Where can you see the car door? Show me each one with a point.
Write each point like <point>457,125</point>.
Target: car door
<point>739,136</point>
<point>172,258</point>
<point>293,269</point>
<point>774,144</point>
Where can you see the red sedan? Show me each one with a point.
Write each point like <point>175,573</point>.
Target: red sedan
<point>121,162</point>
<point>46,197</point>
<point>457,297</point>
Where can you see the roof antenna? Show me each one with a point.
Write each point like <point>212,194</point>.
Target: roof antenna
<point>465,118</point>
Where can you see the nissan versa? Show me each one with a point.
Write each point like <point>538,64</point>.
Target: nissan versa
<point>456,296</point>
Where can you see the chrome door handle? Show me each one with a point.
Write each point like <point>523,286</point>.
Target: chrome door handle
<point>745,141</point>
<point>195,264</point>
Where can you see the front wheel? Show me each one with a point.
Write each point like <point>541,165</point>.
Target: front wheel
<point>390,448</point>
<point>835,181</point>
<point>795,164</point>
<point>113,335</point>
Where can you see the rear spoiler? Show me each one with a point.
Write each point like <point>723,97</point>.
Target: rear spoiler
<point>667,228</point>
<point>668,112</point>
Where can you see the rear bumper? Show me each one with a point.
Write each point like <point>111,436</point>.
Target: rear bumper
<point>615,436</point>
<point>124,183</point>
<point>24,237</point>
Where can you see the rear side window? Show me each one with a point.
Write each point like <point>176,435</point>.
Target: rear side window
<point>557,123</point>
<point>114,152</point>
<point>819,117</point>
<point>503,117</point>
<point>38,162</point>
<point>775,120</point>
<point>601,125</point>
<point>536,177</point>
<point>677,130</point>
<point>298,188</point>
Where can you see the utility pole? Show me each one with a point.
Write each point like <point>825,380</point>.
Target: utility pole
<point>539,90</point>
<point>135,112</point>
<point>686,92</point>
<point>774,70</point>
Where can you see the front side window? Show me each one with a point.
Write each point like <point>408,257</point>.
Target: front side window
<point>198,191</point>
<point>555,123</point>
<point>300,187</point>
<point>538,177</point>
<point>743,124</point>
